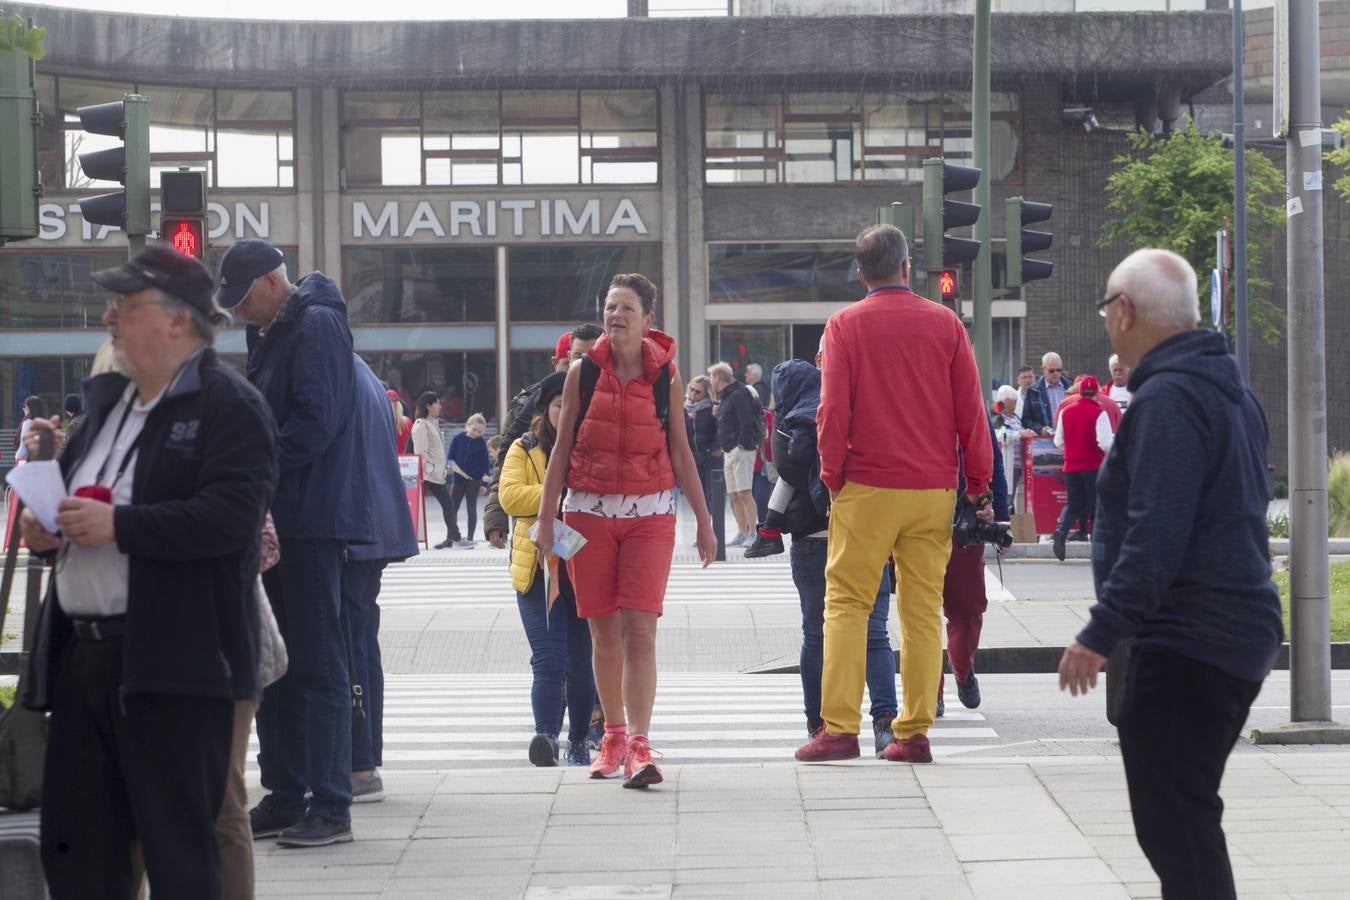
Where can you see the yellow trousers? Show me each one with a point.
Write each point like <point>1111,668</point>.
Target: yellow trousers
<point>868,524</point>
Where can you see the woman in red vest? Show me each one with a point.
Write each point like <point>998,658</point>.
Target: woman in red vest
<point>1084,430</point>
<point>620,465</point>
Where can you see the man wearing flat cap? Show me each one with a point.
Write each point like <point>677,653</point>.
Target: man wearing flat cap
<point>149,630</point>
<point>300,358</point>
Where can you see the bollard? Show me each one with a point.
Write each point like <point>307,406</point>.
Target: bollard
<point>717,505</point>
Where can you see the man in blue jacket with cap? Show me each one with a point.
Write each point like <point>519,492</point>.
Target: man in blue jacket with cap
<point>300,358</point>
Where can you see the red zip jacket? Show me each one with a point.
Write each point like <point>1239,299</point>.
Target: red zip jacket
<point>899,392</point>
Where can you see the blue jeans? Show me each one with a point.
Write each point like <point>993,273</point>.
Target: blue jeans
<point>360,596</point>
<point>808,557</point>
<point>560,654</point>
<point>761,489</point>
<point>305,721</point>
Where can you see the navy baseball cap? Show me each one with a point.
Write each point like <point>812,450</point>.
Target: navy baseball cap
<point>243,262</point>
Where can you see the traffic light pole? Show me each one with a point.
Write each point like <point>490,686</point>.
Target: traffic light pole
<point>984,286</point>
<point>1239,244</point>
<point>1309,591</point>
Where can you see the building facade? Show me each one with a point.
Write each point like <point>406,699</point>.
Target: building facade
<point>473,186</point>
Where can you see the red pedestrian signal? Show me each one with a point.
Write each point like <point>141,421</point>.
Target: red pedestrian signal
<point>187,236</point>
<point>947,282</point>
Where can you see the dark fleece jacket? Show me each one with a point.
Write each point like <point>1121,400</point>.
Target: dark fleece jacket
<point>1179,543</point>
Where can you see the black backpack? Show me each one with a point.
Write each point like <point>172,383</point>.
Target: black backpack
<point>590,375</point>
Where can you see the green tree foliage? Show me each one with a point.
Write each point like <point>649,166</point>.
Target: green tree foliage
<point>1174,191</point>
<point>1341,157</point>
<point>16,35</point>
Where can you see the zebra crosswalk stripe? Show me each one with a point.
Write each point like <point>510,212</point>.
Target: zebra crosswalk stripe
<point>459,721</point>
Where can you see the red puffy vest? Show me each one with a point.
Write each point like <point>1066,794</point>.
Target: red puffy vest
<point>621,447</point>
<point>1081,453</point>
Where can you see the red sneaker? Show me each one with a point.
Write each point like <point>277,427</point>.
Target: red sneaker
<point>638,769</point>
<point>825,747</point>
<point>911,750</point>
<point>609,761</point>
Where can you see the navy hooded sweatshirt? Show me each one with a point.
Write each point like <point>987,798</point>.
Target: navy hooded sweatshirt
<point>303,368</point>
<point>1179,545</point>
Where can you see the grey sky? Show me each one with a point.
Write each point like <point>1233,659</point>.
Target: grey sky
<point>360,9</point>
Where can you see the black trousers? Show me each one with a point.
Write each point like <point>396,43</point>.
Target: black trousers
<point>1082,500</point>
<point>442,495</point>
<point>1179,719</point>
<point>463,490</point>
<point>147,768</point>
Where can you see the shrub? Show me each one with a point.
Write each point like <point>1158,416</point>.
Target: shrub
<point>1338,496</point>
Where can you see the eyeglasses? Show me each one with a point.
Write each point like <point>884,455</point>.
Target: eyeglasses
<point>121,307</point>
<point>1053,371</point>
<point>1102,305</point>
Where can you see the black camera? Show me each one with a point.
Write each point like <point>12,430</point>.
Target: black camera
<point>968,530</point>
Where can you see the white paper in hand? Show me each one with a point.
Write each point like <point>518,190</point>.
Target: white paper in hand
<point>566,541</point>
<point>41,487</point>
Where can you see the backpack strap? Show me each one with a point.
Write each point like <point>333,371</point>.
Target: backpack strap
<point>661,396</point>
<point>590,376</point>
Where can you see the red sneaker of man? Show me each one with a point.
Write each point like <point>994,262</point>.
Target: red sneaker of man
<point>826,747</point>
<point>911,750</point>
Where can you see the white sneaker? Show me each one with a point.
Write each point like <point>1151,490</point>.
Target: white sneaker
<point>466,544</point>
<point>737,541</point>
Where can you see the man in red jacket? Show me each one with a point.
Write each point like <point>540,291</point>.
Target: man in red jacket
<point>890,360</point>
<point>1084,431</point>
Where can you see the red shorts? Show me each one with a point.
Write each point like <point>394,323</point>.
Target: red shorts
<point>624,565</point>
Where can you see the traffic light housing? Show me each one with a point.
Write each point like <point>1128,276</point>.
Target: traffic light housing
<point>949,286</point>
<point>939,251</point>
<point>129,164</point>
<point>20,180</point>
<point>1022,240</point>
<point>182,211</point>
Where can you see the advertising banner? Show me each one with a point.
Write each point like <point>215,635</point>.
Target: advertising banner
<point>410,468</point>
<point>1043,471</point>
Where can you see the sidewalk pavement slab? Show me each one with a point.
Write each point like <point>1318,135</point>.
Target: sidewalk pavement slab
<point>977,827</point>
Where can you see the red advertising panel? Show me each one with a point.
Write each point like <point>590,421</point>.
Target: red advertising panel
<point>410,467</point>
<point>1043,470</point>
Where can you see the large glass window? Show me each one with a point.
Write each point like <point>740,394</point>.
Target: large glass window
<point>741,345</point>
<point>243,139</point>
<point>461,138</point>
<point>53,290</point>
<point>618,137</point>
<point>744,139</point>
<point>568,283</point>
<point>500,137</point>
<point>466,381</point>
<point>50,378</point>
<point>781,273</point>
<point>420,284</point>
<point>827,137</point>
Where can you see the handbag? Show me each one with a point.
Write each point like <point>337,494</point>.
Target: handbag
<point>23,732</point>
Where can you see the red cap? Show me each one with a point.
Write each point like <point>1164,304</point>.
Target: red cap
<point>564,345</point>
<point>1088,384</point>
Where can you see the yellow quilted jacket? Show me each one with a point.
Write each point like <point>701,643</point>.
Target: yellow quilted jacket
<point>521,486</point>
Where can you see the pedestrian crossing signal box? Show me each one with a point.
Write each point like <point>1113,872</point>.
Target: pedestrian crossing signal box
<point>187,235</point>
<point>950,287</point>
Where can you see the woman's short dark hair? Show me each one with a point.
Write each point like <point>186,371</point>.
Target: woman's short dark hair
<point>638,284</point>
<point>73,404</point>
<point>36,408</point>
<point>424,401</point>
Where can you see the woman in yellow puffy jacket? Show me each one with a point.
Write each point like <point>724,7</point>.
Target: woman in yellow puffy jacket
<point>560,642</point>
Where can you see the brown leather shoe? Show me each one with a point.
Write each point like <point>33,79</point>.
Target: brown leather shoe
<point>911,750</point>
<point>826,747</point>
